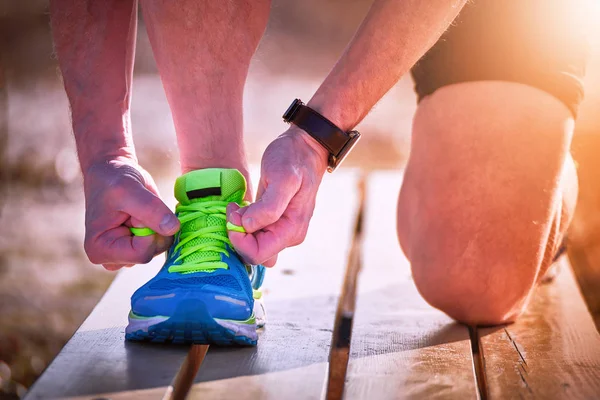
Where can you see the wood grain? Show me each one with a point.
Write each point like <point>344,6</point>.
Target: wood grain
<point>551,352</point>
<point>301,291</point>
<point>401,347</point>
<point>97,360</point>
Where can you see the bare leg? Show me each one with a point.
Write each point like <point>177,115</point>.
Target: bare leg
<point>203,51</point>
<point>488,194</point>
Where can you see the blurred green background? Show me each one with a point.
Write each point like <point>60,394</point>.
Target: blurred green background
<point>47,285</point>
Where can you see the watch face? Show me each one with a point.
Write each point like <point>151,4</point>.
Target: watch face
<point>334,161</point>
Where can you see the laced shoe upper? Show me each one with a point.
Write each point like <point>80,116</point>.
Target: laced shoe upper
<point>201,264</point>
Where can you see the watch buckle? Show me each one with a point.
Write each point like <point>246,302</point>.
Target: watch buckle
<point>336,160</point>
<point>292,110</point>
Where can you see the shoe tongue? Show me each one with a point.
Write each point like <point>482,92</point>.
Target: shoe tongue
<point>210,184</point>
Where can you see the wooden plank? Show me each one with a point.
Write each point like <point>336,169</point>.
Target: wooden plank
<point>585,260</point>
<point>291,359</point>
<point>97,360</point>
<point>401,348</point>
<point>551,352</point>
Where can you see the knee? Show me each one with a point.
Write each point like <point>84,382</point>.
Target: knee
<point>471,298</point>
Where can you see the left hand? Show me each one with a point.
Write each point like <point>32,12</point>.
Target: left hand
<point>291,172</point>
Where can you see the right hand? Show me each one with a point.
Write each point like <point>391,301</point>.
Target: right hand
<point>120,194</point>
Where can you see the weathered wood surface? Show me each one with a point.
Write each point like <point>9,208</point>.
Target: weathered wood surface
<point>301,292</point>
<point>551,352</point>
<point>97,359</point>
<point>401,347</point>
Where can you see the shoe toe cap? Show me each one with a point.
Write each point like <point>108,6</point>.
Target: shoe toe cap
<point>219,303</point>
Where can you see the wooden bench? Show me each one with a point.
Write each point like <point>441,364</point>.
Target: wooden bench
<point>344,321</point>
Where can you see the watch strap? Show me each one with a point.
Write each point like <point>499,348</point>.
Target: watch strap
<point>320,128</point>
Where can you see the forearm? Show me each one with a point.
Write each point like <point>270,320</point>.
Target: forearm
<point>95,44</point>
<point>203,51</point>
<point>391,39</point>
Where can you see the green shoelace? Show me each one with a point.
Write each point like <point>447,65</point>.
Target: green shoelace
<point>214,238</point>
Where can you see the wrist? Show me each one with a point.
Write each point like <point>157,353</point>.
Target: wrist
<point>118,156</point>
<point>102,135</point>
<point>344,116</point>
<point>322,134</point>
<point>320,153</point>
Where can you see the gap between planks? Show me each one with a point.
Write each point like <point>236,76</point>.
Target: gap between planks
<point>339,352</point>
<point>184,379</point>
<point>478,362</point>
<point>583,256</point>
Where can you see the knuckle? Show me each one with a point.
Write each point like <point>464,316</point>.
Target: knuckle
<point>291,177</point>
<point>296,240</point>
<point>111,267</point>
<point>155,206</point>
<point>270,214</point>
<point>91,252</point>
<point>299,235</point>
<point>146,258</point>
<point>296,173</point>
<point>254,260</point>
<point>93,256</point>
<point>303,232</point>
<point>94,260</point>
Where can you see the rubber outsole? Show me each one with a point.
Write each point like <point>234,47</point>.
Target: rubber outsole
<point>194,326</point>
<point>190,333</point>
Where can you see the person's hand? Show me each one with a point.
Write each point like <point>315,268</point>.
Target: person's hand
<point>292,168</point>
<point>120,194</point>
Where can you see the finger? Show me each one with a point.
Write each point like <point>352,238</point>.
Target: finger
<point>148,210</point>
<point>260,247</point>
<point>135,223</point>
<point>236,219</point>
<point>234,213</point>
<point>163,243</point>
<point>114,267</point>
<point>270,262</point>
<point>117,246</point>
<point>271,205</point>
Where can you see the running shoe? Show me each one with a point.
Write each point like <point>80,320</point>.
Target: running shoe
<point>204,293</point>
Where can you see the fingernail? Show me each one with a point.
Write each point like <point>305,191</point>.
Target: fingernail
<point>169,223</point>
<point>248,222</point>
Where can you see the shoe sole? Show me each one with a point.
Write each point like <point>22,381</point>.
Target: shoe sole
<point>192,324</point>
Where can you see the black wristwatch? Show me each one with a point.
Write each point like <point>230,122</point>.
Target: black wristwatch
<point>337,142</point>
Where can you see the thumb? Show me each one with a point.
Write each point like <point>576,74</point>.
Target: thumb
<point>270,206</point>
<point>148,210</point>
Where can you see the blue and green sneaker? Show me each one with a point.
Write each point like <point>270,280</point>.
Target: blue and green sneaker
<point>204,293</point>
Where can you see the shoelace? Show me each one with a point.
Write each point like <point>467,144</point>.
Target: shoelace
<point>217,235</point>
